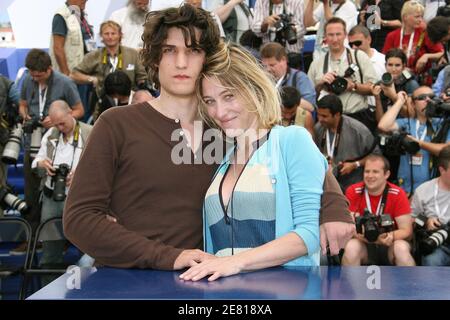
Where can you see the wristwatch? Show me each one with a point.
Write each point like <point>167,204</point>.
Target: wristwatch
<point>358,164</point>
<point>90,79</point>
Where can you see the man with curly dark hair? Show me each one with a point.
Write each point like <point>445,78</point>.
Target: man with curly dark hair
<point>131,205</point>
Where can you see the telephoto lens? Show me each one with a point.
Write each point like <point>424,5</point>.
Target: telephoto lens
<point>10,200</point>
<point>12,147</point>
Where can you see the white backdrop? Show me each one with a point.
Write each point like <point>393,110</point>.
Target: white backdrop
<point>31,20</point>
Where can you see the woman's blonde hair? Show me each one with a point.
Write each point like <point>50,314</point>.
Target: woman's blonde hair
<point>238,71</point>
<point>412,7</point>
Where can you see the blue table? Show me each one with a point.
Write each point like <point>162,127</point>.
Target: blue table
<point>349,283</point>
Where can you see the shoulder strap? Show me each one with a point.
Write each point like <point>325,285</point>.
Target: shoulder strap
<point>294,79</point>
<point>359,67</point>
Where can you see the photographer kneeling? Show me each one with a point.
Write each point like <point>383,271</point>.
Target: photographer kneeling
<point>58,156</point>
<point>414,168</point>
<point>383,219</point>
<point>432,200</point>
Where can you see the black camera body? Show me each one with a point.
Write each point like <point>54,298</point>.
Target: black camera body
<point>339,85</point>
<point>59,179</point>
<point>428,241</point>
<point>404,77</point>
<point>374,225</point>
<point>437,108</point>
<point>285,30</point>
<point>397,144</point>
<point>30,125</point>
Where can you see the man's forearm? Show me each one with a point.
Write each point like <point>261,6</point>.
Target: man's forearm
<point>433,148</point>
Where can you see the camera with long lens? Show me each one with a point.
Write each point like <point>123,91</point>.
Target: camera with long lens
<point>59,182</point>
<point>371,226</point>
<point>9,200</point>
<point>285,29</point>
<point>444,11</point>
<point>12,148</point>
<point>428,241</point>
<point>33,127</point>
<point>398,143</point>
<point>339,84</point>
<point>386,79</point>
<point>437,108</point>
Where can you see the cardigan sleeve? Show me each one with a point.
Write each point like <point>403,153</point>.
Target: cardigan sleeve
<point>305,168</point>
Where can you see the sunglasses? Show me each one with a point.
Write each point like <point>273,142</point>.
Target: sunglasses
<point>423,97</point>
<point>355,43</point>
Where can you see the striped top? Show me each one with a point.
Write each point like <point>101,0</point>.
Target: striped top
<point>248,220</point>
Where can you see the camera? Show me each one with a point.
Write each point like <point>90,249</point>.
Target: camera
<point>284,29</point>
<point>404,77</point>
<point>437,108</point>
<point>373,225</point>
<point>430,240</point>
<point>33,127</point>
<point>444,11</point>
<point>397,144</point>
<point>12,147</point>
<point>386,79</point>
<point>59,180</point>
<point>9,200</point>
<point>339,85</point>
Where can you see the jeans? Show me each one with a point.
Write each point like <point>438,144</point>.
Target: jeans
<point>439,257</point>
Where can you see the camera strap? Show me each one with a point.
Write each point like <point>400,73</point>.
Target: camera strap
<point>113,62</point>
<point>331,149</point>
<point>76,139</point>
<point>439,213</point>
<point>326,62</point>
<point>424,133</point>
<point>381,203</point>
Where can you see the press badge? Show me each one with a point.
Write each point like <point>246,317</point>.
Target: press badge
<point>130,67</point>
<point>90,44</point>
<point>417,159</point>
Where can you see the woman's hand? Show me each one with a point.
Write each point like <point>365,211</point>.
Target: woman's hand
<point>220,267</point>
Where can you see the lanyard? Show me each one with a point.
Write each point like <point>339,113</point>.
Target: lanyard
<point>86,27</point>
<point>424,133</point>
<point>381,202</point>
<point>332,146</point>
<point>76,138</point>
<point>280,82</point>
<point>436,205</point>
<point>411,39</point>
<point>42,99</point>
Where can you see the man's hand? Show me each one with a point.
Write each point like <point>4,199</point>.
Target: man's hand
<point>421,62</point>
<point>385,239</point>
<point>271,20</point>
<point>346,167</point>
<point>47,122</point>
<point>433,223</point>
<point>191,257</point>
<point>328,77</point>
<point>335,235</point>
<point>47,165</point>
<point>376,90</point>
<point>351,85</point>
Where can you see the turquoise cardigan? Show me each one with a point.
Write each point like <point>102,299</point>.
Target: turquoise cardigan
<point>297,168</point>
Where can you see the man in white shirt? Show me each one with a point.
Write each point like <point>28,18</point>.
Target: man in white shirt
<point>432,199</point>
<point>131,18</point>
<point>58,156</point>
<point>235,16</point>
<point>344,9</point>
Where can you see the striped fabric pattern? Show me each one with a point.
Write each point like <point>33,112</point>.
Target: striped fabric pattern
<point>251,211</point>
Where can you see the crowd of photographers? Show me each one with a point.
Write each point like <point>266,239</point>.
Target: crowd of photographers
<point>366,98</point>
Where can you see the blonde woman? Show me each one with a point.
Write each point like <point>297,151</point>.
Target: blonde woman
<point>412,38</point>
<point>262,207</point>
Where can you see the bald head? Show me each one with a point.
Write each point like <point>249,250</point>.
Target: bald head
<point>61,116</point>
